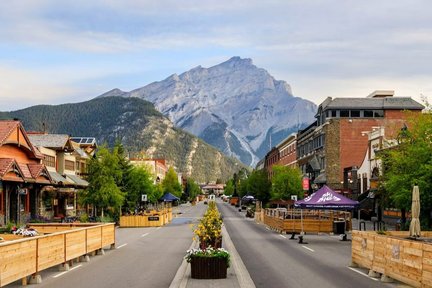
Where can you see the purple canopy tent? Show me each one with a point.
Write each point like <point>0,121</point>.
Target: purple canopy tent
<point>325,198</point>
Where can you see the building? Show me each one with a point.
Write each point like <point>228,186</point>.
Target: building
<point>65,162</point>
<point>287,151</point>
<point>336,143</point>
<point>271,158</point>
<point>23,176</point>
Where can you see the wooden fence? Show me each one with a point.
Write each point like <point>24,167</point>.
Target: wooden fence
<point>27,256</point>
<point>151,219</point>
<point>314,221</point>
<point>394,255</point>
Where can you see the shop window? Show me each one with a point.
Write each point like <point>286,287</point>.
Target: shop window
<point>47,200</point>
<point>70,203</point>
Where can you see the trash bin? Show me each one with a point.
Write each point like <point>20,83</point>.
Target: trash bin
<point>339,227</point>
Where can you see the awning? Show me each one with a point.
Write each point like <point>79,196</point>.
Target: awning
<point>57,178</point>
<point>321,179</point>
<point>77,180</point>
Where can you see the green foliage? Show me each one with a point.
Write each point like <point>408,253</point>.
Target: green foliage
<point>171,183</point>
<point>103,175</point>
<point>192,189</point>
<point>134,121</point>
<point>411,162</point>
<point>259,185</point>
<point>140,181</point>
<point>229,187</point>
<point>286,181</point>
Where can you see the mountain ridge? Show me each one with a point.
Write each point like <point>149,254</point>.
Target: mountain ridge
<point>139,127</point>
<point>234,106</point>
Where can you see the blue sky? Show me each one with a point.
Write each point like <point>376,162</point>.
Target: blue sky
<point>54,52</point>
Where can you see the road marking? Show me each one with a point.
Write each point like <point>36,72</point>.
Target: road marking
<point>121,246</point>
<point>282,236</point>
<point>307,248</point>
<point>144,235</point>
<point>62,273</point>
<point>362,273</point>
<point>158,228</point>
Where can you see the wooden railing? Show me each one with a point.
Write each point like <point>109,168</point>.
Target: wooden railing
<point>314,221</point>
<point>27,256</point>
<point>394,255</point>
<point>150,219</point>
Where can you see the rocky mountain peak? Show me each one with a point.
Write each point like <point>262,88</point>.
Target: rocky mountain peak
<point>234,106</point>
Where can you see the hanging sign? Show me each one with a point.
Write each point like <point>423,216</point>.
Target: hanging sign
<point>305,183</point>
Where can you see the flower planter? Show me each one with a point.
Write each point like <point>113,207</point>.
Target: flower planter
<point>208,267</point>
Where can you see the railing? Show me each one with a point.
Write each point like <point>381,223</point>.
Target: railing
<point>314,221</point>
<point>27,256</point>
<point>393,255</point>
<point>147,219</point>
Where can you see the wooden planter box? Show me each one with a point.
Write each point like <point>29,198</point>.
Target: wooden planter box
<point>208,268</point>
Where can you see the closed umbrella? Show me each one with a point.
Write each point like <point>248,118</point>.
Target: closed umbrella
<point>415,213</point>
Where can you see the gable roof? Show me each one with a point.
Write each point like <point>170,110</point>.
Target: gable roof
<point>7,127</point>
<point>53,141</point>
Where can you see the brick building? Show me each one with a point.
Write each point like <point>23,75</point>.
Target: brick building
<point>336,144</point>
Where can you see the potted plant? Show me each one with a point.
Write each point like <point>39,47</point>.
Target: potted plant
<point>209,229</point>
<point>208,263</point>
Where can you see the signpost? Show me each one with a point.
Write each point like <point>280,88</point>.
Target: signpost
<point>143,197</point>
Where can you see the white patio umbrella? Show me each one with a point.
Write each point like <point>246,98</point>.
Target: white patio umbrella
<point>415,213</point>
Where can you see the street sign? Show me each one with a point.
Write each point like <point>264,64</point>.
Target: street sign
<point>144,197</point>
<point>305,183</point>
<point>294,197</point>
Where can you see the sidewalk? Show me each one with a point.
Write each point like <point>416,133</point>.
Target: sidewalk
<point>237,274</point>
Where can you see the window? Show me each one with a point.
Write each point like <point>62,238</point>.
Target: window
<point>344,113</point>
<point>333,113</point>
<point>69,165</point>
<point>49,160</point>
<point>355,113</point>
<point>368,113</point>
<point>1,198</point>
<point>378,113</point>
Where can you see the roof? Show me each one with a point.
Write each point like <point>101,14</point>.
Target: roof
<point>57,178</point>
<point>29,172</point>
<point>385,103</point>
<point>6,128</point>
<point>54,141</point>
<point>77,180</point>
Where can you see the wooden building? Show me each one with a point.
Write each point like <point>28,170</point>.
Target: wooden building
<point>23,176</point>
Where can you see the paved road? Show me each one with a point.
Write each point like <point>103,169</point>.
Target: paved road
<point>145,257</point>
<point>273,260</point>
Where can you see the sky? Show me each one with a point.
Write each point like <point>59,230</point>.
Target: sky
<point>54,52</point>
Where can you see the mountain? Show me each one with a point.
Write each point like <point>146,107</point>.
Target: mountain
<point>140,128</point>
<point>235,106</point>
